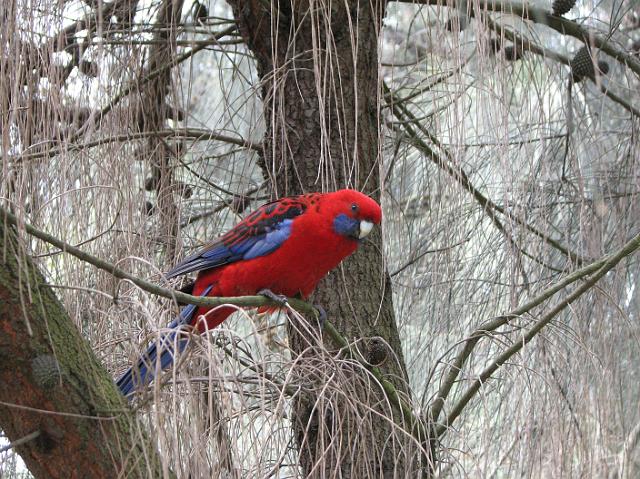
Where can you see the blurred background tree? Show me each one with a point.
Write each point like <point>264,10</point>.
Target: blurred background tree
<point>502,141</point>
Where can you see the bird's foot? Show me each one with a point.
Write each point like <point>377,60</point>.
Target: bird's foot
<point>280,299</point>
<point>322,315</point>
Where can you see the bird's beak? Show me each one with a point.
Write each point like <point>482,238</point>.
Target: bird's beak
<point>365,228</point>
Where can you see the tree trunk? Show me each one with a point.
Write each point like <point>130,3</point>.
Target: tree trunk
<point>318,66</point>
<point>54,388</point>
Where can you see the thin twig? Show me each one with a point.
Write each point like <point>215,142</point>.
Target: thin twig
<point>19,442</point>
<point>134,85</point>
<point>196,134</point>
<point>530,46</point>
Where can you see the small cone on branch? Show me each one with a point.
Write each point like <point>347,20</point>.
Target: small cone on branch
<point>88,68</point>
<point>456,23</point>
<point>377,352</point>
<point>200,11</point>
<point>46,371</point>
<point>239,203</point>
<point>603,67</point>
<point>582,65</point>
<point>185,190</point>
<point>560,7</point>
<point>495,45</point>
<point>151,183</point>
<point>149,208</point>
<point>512,53</point>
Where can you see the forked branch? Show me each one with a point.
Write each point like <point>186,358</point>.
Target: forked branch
<point>601,268</point>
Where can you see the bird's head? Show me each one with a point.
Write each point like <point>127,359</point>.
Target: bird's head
<point>353,213</point>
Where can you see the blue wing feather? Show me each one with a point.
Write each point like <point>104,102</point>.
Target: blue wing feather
<point>270,242</point>
<point>261,233</point>
<point>168,346</point>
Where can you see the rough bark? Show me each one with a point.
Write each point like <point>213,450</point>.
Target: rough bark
<point>51,382</point>
<point>318,66</point>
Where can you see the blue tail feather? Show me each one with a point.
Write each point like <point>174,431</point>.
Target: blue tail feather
<point>169,345</point>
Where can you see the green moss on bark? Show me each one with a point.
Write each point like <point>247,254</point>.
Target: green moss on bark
<point>87,429</point>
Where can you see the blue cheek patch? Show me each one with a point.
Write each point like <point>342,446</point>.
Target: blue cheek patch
<point>345,226</point>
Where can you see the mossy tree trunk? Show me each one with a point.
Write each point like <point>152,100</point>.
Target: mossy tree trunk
<point>53,387</point>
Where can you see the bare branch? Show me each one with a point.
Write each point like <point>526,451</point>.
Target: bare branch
<point>461,177</point>
<point>532,47</point>
<point>559,24</point>
<point>59,407</point>
<point>153,74</point>
<point>607,265</point>
<point>470,343</point>
<point>195,134</point>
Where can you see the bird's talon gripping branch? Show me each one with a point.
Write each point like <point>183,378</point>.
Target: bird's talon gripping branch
<point>280,299</point>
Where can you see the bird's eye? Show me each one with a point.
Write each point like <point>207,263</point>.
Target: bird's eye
<point>354,207</point>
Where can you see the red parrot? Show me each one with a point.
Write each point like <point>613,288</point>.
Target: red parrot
<point>283,248</point>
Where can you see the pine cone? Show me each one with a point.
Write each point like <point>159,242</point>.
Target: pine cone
<point>149,208</point>
<point>560,7</point>
<point>377,352</point>
<point>512,53</point>
<point>151,183</point>
<point>582,65</point>
<point>456,23</point>
<point>88,68</point>
<point>185,190</point>
<point>239,203</point>
<point>200,11</point>
<point>46,371</point>
<point>495,45</point>
<point>603,67</point>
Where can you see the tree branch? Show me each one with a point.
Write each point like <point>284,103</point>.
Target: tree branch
<point>456,367</point>
<point>461,177</point>
<point>606,265</point>
<point>532,47</point>
<point>137,84</point>
<point>559,24</point>
<point>196,134</point>
<point>177,296</point>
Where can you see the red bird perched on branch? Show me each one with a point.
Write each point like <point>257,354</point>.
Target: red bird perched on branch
<point>283,248</point>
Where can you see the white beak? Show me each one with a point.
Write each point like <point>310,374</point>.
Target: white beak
<point>365,228</point>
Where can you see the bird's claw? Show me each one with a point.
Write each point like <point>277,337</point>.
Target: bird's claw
<point>280,299</point>
<point>322,315</point>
